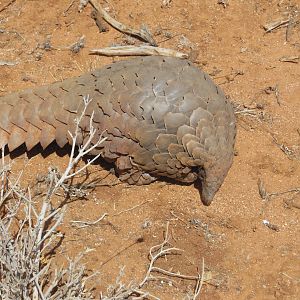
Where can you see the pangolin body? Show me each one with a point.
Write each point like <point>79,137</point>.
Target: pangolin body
<point>161,116</point>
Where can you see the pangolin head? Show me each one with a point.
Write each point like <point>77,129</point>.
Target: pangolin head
<point>212,178</point>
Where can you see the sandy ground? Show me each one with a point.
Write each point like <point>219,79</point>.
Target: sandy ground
<point>261,74</point>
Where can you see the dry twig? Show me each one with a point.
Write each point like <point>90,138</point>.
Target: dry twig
<point>131,208</point>
<point>285,149</point>
<point>143,33</point>
<point>266,195</point>
<point>99,21</point>
<point>83,224</point>
<point>7,5</point>
<point>141,50</point>
<point>84,149</point>
<point>119,291</point>
<point>200,282</point>
<point>69,6</point>
<point>249,111</point>
<point>291,59</point>
<point>75,47</point>
<point>7,63</point>
<point>276,24</point>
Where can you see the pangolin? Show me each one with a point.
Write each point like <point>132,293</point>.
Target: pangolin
<point>161,117</point>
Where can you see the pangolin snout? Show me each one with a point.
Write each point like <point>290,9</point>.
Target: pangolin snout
<point>211,180</point>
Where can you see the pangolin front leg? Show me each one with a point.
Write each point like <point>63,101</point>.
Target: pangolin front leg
<point>161,117</point>
<point>128,172</point>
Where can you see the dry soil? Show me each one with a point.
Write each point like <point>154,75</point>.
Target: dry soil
<point>258,70</point>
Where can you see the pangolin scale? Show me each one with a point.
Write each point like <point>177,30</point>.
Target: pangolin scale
<point>161,116</point>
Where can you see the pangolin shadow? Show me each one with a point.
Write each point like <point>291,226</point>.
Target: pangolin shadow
<point>51,149</point>
<point>66,150</point>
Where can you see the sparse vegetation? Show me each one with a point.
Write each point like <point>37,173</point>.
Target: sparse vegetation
<point>29,236</point>
<point>253,260</point>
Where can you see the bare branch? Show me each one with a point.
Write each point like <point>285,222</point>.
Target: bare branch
<point>24,256</point>
<point>142,33</point>
<point>7,5</point>
<point>83,224</point>
<point>141,50</point>
<point>276,24</point>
